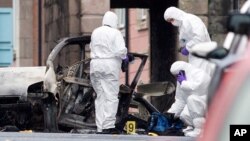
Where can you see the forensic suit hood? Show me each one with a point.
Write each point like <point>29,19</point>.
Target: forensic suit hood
<point>110,19</point>
<point>175,13</point>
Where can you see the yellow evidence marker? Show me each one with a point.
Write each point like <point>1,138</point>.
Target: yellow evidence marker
<point>130,126</point>
<point>152,134</point>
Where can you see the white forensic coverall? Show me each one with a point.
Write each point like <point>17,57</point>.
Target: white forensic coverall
<point>107,51</point>
<point>191,31</point>
<point>190,100</point>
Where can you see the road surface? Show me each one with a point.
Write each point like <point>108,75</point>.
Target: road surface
<point>14,136</point>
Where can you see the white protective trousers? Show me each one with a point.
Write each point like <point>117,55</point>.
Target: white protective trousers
<point>105,82</point>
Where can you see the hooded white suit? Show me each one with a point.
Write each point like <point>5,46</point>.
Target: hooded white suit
<point>190,100</point>
<point>191,95</point>
<point>107,51</point>
<point>192,31</point>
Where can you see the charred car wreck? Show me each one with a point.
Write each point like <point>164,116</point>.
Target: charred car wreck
<point>59,97</point>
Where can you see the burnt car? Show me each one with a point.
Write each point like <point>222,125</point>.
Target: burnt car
<point>34,97</point>
<point>59,97</point>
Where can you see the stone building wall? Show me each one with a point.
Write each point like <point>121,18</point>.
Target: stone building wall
<point>214,14</point>
<point>218,13</point>
<point>61,19</point>
<point>92,12</point>
<point>23,36</point>
<point>69,18</point>
<point>56,22</point>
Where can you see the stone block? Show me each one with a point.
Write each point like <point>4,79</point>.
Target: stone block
<point>217,24</point>
<point>205,20</point>
<point>74,7</point>
<point>219,7</point>
<point>48,18</point>
<point>219,38</point>
<point>94,6</point>
<point>194,6</point>
<point>74,24</point>
<point>48,2</point>
<point>26,48</point>
<point>53,31</point>
<point>89,23</point>
<point>26,3</point>
<point>26,30</point>
<point>26,9</point>
<point>24,62</point>
<point>55,11</point>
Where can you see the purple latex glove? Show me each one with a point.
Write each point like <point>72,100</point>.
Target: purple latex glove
<point>181,76</point>
<point>124,65</point>
<point>184,51</point>
<point>126,60</point>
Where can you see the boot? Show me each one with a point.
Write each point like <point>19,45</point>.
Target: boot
<point>110,131</point>
<point>198,125</point>
<point>193,133</point>
<point>188,128</point>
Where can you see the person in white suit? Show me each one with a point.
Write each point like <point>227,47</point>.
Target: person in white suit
<point>107,52</point>
<point>191,32</point>
<point>191,93</point>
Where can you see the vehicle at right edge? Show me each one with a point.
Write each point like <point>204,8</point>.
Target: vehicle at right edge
<point>229,100</point>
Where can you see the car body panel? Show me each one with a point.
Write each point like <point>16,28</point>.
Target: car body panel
<point>230,104</point>
<point>16,80</point>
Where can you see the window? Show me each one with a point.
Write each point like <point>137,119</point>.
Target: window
<point>143,14</point>
<point>142,19</point>
<point>121,17</point>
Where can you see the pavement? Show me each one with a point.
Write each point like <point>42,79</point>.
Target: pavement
<point>32,136</point>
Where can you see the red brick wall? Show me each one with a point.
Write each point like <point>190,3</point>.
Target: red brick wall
<point>138,43</point>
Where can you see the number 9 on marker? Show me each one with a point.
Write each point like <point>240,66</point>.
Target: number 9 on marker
<point>130,127</point>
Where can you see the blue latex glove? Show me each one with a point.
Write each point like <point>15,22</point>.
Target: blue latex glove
<point>181,76</point>
<point>130,57</point>
<point>184,51</point>
<point>124,65</point>
<point>126,60</point>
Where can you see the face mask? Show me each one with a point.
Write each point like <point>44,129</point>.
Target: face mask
<point>176,23</point>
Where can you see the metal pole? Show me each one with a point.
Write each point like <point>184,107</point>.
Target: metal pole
<point>127,42</point>
<point>39,32</point>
